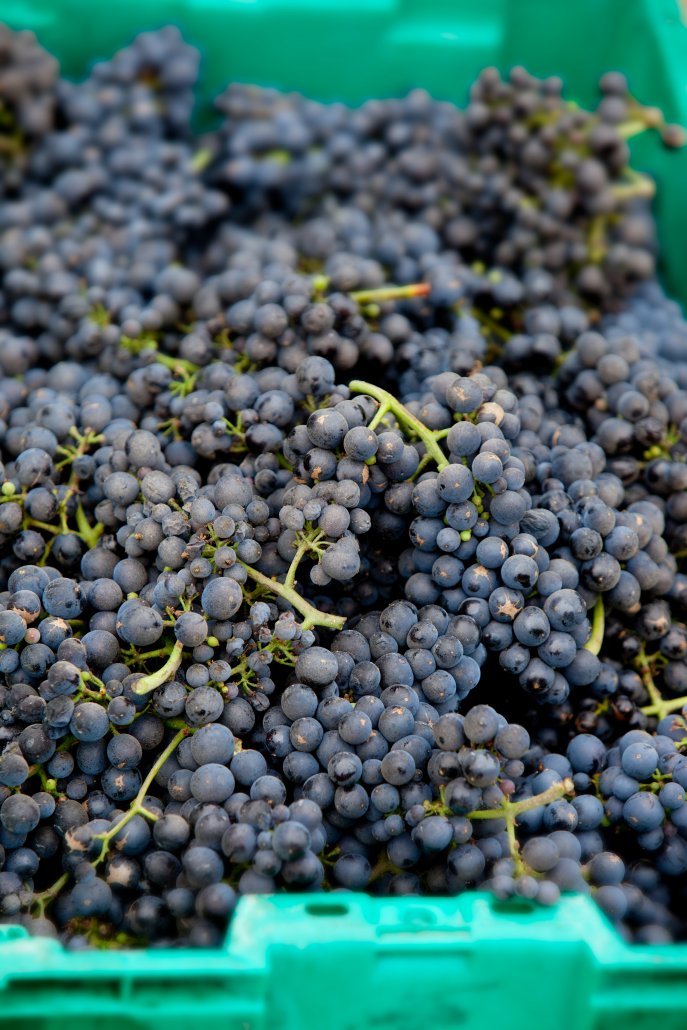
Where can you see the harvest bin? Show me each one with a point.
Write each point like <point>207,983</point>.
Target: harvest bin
<point>344,961</point>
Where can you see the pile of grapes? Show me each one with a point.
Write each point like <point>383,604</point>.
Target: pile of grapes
<point>343,502</point>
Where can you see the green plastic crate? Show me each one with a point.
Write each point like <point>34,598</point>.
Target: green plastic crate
<point>347,962</point>
<point>343,962</point>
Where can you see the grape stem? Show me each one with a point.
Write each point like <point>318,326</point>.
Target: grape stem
<point>163,674</point>
<point>391,293</point>
<point>88,533</point>
<point>301,551</point>
<point>636,185</point>
<point>634,127</point>
<point>42,900</point>
<point>657,702</point>
<point>389,404</point>
<point>311,616</point>
<point>660,707</point>
<point>510,810</point>
<point>141,657</point>
<point>489,323</point>
<point>514,808</point>
<point>598,625</point>
<point>175,364</point>
<point>201,159</point>
<point>382,866</point>
<point>137,807</point>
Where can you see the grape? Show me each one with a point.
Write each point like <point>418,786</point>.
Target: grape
<point>265,627</point>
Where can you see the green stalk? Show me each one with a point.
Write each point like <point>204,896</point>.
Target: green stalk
<point>637,185</point>
<point>382,866</point>
<point>42,900</point>
<point>388,403</point>
<point>659,706</point>
<point>43,560</point>
<point>490,323</point>
<point>378,417</point>
<point>201,159</point>
<point>391,293</point>
<point>424,462</point>
<point>514,808</point>
<point>519,867</point>
<point>664,708</point>
<point>163,674</point>
<point>290,578</point>
<point>137,807</point>
<point>631,128</point>
<point>88,533</point>
<point>45,526</point>
<point>510,810</point>
<point>176,364</point>
<point>311,616</point>
<point>598,625</point>
<point>140,658</point>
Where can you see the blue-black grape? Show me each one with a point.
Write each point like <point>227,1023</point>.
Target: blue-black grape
<point>327,634</point>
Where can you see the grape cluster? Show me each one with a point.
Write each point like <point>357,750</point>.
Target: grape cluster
<point>519,179</point>
<point>28,91</point>
<point>342,478</point>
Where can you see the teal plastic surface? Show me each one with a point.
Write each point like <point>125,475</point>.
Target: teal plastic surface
<point>342,962</point>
